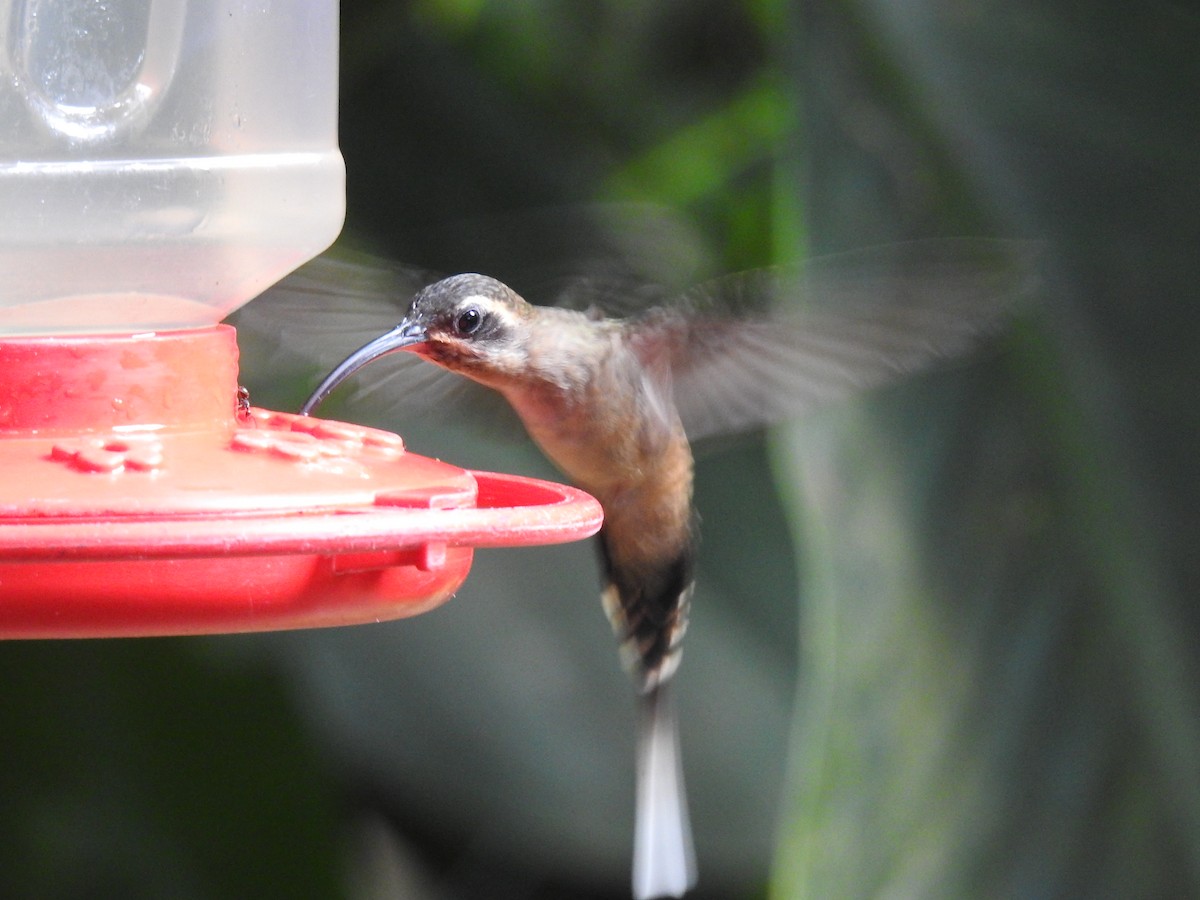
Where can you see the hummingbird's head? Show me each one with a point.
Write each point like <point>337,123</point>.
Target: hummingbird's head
<point>466,323</point>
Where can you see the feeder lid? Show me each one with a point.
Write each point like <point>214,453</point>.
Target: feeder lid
<point>143,496</point>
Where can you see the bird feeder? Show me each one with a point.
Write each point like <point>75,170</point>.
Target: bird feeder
<point>161,164</point>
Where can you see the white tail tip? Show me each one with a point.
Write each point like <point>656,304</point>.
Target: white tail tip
<point>664,863</point>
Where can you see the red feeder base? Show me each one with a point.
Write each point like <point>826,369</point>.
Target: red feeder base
<point>140,499</point>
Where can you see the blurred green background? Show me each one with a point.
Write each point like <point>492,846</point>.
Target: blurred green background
<point>945,637</point>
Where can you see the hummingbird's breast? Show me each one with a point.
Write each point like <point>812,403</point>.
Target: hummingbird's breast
<point>609,424</point>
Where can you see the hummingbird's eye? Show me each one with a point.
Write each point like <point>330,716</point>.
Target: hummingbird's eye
<point>468,321</point>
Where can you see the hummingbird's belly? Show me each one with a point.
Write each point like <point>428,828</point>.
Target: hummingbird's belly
<point>595,458</point>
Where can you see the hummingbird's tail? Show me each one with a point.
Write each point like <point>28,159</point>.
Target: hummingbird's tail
<point>664,863</point>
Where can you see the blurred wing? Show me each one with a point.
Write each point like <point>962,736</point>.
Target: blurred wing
<point>616,259</point>
<point>771,344</point>
<point>331,306</point>
<point>584,254</point>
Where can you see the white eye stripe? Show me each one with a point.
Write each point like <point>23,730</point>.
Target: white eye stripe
<point>497,312</point>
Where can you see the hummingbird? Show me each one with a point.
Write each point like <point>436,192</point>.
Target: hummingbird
<point>616,402</point>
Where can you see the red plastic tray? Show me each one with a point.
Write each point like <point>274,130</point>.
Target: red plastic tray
<point>137,498</point>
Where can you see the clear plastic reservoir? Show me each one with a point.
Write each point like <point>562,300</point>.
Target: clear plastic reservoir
<point>161,161</point>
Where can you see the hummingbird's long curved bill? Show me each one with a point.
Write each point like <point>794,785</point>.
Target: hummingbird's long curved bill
<point>401,337</point>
